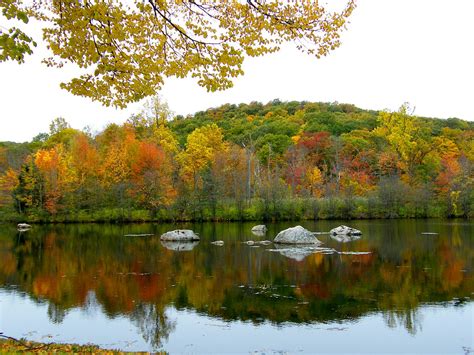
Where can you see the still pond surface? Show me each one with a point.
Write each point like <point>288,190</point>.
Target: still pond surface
<point>406,292</point>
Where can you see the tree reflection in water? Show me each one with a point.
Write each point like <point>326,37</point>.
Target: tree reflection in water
<point>408,318</point>
<point>95,267</point>
<point>153,323</point>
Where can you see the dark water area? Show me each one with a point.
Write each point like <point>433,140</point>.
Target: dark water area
<point>394,290</point>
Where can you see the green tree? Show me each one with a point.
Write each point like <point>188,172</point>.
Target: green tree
<point>57,125</point>
<point>29,193</point>
<point>14,43</point>
<point>201,147</point>
<point>409,137</point>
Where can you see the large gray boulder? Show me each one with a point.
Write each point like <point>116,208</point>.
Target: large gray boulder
<point>345,230</point>
<point>180,235</point>
<point>296,235</point>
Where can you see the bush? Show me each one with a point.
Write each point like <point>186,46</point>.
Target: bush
<point>140,216</point>
<point>252,213</point>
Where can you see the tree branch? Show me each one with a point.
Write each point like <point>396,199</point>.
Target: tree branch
<point>177,28</point>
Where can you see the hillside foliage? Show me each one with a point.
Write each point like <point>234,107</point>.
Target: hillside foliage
<point>280,160</point>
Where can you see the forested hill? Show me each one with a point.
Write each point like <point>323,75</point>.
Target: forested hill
<point>253,121</point>
<point>252,161</point>
<point>242,122</point>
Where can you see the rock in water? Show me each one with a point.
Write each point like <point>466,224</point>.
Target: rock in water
<point>296,235</point>
<point>180,235</point>
<point>345,230</point>
<point>259,230</point>
<point>23,226</point>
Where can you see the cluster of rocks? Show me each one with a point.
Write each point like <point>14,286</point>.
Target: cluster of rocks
<point>295,242</point>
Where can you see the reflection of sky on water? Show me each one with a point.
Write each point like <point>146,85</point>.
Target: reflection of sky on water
<point>31,320</point>
<point>193,332</point>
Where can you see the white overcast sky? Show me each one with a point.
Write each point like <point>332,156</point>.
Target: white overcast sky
<point>394,51</point>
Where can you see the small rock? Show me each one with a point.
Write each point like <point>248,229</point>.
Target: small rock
<point>218,242</point>
<point>23,226</point>
<point>345,230</point>
<point>180,235</point>
<point>259,230</point>
<point>249,242</point>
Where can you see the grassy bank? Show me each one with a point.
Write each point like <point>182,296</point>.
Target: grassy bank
<point>257,210</point>
<point>13,346</point>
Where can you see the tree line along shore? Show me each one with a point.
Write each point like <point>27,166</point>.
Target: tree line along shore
<point>273,161</point>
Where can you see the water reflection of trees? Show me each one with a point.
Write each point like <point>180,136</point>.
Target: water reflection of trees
<point>153,322</point>
<point>408,318</point>
<point>56,313</point>
<point>95,266</point>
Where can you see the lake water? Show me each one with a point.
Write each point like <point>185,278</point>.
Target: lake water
<point>395,290</point>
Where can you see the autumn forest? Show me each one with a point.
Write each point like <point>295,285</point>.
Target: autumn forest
<point>274,161</point>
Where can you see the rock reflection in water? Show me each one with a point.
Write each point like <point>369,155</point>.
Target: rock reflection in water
<point>179,246</point>
<point>298,253</point>
<point>341,238</point>
<point>258,233</point>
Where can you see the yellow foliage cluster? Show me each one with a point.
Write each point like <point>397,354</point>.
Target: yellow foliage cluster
<point>127,48</point>
<point>201,147</point>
